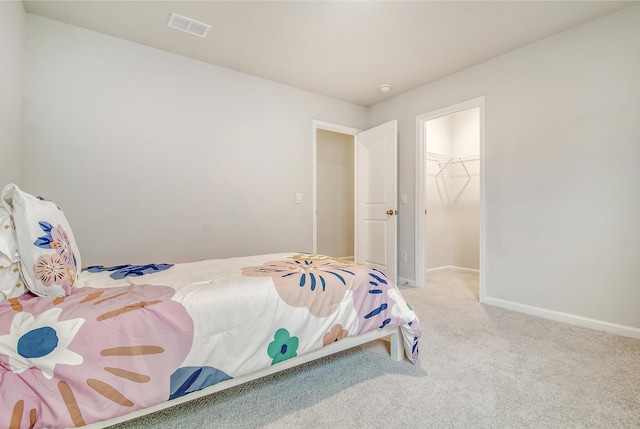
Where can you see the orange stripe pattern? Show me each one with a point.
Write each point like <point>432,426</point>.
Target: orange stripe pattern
<point>109,297</point>
<point>71,403</point>
<point>109,392</point>
<point>16,416</point>
<point>15,304</point>
<point>132,351</point>
<point>92,296</point>
<point>128,308</point>
<point>129,375</point>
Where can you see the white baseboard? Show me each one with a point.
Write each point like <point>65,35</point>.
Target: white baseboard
<point>452,268</point>
<point>585,322</point>
<point>406,282</point>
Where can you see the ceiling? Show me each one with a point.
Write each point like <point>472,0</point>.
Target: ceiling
<point>341,49</point>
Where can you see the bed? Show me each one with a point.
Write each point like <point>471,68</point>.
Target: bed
<point>117,342</point>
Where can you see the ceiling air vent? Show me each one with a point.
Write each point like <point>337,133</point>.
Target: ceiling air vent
<point>188,25</point>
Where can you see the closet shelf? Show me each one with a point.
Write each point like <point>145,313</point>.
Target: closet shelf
<point>445,161</point>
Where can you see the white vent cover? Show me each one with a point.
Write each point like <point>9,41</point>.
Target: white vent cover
<point>188,25</point>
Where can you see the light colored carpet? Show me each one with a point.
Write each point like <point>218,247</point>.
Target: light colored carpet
<point>480,367</point>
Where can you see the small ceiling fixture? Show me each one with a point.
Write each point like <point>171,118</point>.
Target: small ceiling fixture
<point>384,88</point>
<point>188,25</point>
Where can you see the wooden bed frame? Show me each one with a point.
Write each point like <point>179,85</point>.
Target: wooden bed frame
<point>397,354</point>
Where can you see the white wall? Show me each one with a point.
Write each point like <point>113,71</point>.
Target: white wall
<point>562,183</point>
<point>156,157</point>
<point>12,36</point>
<point>562,234</point>
<point>335,194</point>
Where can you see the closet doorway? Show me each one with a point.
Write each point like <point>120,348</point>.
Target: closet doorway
<point>334,186</point>
<point>450,192</point>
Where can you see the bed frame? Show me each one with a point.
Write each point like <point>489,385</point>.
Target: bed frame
<point>397,354</point>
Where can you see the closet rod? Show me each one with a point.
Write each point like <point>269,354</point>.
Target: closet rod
<point>432,156</point>
<point>444,162</point>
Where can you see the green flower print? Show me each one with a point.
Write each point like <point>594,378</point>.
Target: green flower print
<point>283,346</point>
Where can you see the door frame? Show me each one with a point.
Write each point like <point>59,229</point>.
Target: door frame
<point>420,187</point>
<point>341,129</point>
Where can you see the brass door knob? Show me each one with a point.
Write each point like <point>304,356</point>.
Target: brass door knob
<point>390,212</point>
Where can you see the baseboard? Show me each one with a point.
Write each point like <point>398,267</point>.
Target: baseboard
<point>406,282</point>
<point>585,322</point>
<point>452,268</point>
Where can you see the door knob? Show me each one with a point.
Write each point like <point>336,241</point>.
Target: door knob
<point>390,212</point>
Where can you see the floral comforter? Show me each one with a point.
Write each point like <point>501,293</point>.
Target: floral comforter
<point>132,336</point>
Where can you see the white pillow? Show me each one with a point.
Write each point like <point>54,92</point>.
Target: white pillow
<point>49,255</point>
<point>11,285</point>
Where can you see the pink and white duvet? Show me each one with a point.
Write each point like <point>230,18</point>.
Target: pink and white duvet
<point>132,336</point>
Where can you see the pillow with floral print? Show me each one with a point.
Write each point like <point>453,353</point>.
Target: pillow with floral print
<point>11,285</point>
<point>49,255</point>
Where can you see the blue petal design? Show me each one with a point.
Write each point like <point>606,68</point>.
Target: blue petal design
<point>192,378</point>
<point>376,311</point>
<point>313,281</point>
<point>184,387</point>
<point>380,279</point>
<point>338,276</point>
<point>44,242</point>
<point>139,270</point>
<point>101,268</point>
<point>122,271</point>
<point>46,226</point>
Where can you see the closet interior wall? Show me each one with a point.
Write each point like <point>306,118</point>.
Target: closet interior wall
<point>452,227</point>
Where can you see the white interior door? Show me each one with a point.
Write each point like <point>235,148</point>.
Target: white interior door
<point>376,217</point>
